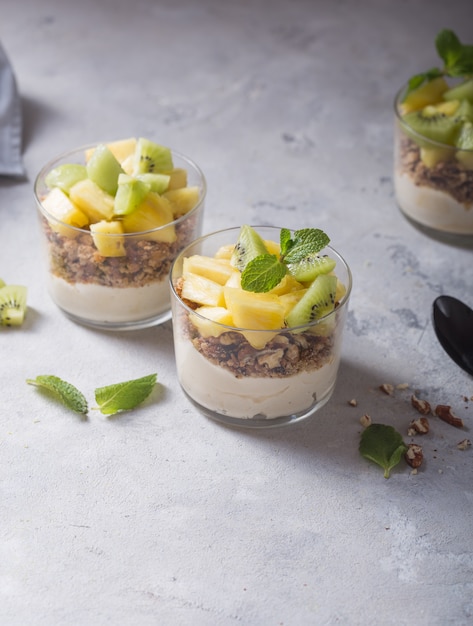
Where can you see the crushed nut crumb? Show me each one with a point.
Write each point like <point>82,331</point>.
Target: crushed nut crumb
<point>444,412</point>
<point>463,444</point>
<point>365,421</point>
<point>422,406</point>
<point>353,402</point>
<point>387,389</point>
<point>419,426</point>
<point>402,386</point>
<point>414,455</point>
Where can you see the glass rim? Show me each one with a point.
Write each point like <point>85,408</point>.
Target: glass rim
<point>64,155</point>
<point>236,229</point>
<point>415,133</point>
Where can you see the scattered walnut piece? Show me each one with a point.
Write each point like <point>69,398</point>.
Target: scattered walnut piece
<point>463,444</point>
<point>387,388</point>
<point>402,386</point>
<point>446,415</point>
<point>419,427</point>
<point>422,406</point>
<point>414,455</point>
<point>353,402</point>
<point>365,421</point>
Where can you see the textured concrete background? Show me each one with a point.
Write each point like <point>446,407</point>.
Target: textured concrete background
<point>160,516</point>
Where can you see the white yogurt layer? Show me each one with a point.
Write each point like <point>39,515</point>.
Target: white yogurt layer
<point>97,303</point>
<point>218,390</point>
<point>432,208</point>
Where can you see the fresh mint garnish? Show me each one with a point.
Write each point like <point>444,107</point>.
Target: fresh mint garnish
<point>264,272</point>
<point>67,393</point>
<point>124,396</point>
<point>383,445</point>
<point>457,60</point>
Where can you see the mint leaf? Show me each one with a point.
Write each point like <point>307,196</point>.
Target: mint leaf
<point>285,241</point>
<point>67,393</point>
<point>306,241</point>
<point>263,273</point>
<point>383,445</point>
<point>124,396</point>
<point>449,48</point>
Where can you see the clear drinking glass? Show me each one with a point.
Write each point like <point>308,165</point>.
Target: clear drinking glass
<point>433,182</point>
<point>231,381</point>
<point>115,292</point>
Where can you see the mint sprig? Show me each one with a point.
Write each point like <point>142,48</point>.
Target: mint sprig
<point>457,60</point>
<point>264,272</point>
<point>110,399</point>
<point>383,445</point>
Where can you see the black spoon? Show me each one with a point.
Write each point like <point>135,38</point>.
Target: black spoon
<point>453,324</point>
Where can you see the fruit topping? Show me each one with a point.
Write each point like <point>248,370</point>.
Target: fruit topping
<point>12,304</point>
<point>126,186</point>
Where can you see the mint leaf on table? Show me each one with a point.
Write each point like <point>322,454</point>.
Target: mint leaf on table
<point>124,396</point>
<point>67,393</point>
<point>263,273</point>
<point>383,445</point>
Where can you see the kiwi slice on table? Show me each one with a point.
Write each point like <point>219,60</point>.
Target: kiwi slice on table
<point>432,124</point>
<point>12,305</point>
<point>310,267</point>
<point>130,194</point>
<point>248,246</point>
<point>151,157</point>
<point>104,169</point>
<point>65,176</point>
<point>463,91</point>
<point>465,144</point>
<point>319,300</point>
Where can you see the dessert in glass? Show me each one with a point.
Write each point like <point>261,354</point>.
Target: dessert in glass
<point>113,218</point>
<point>250,351</point>
<point>433,148</point>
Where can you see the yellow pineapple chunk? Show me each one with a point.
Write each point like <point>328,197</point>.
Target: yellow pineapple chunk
<point>178,178</point>
<point>287,284</point>
<point>59,205</point>
<point>225,252</point>
<point>202,290</point>
<point>92,200</point>
<point>182,200</point>
<point>218,270</point>
<point>214,317</point>
<point>428,93</point>
<point>289,300</point>
<point>108,238</point>
<point>234,280</point>
<point>272,247</point>
<point>257,311</point>
<point>153,213</point>
<point>120,149</point>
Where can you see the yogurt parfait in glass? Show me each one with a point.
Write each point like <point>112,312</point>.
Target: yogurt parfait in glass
<point>254,351</point>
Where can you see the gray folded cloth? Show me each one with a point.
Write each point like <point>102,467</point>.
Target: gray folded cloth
<point>11,163</point>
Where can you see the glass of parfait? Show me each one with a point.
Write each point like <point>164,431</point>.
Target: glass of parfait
<point>258,359</point>
<point>113,218</point>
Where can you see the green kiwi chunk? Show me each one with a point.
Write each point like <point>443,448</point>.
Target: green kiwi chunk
<point>151,157</point>
<point>12,305</point>
<point>65,176</point>
<point>158,183</point>
<point>463,91</point>
<point>248,246</point>
<point>430,124</point>
<point>130,194</point>
<point>318,301</point>
<point>465,144</point>
<point>307,269</point>
<point>104,169</point>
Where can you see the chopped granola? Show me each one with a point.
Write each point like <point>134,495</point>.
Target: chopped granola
<point>448,176</point>
<point>77,260</point>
